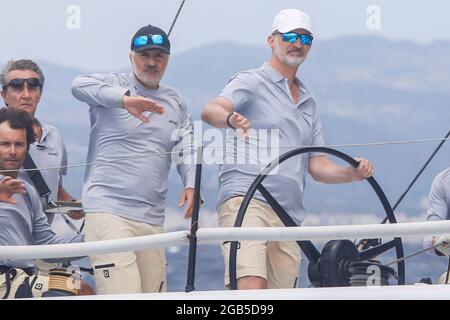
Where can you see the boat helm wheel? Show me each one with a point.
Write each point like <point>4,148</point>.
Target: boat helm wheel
<point>307,247</point>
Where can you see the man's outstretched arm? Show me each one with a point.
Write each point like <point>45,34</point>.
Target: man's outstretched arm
<point>324,170</point>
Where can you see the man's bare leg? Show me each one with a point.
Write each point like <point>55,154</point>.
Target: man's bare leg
<point>251,283</point>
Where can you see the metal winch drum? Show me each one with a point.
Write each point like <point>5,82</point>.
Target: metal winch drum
<point>340,265</point>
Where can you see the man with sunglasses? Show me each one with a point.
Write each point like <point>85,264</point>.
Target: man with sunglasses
<point>273,98</point>
<point>22,83</point>
<point>136,124</point>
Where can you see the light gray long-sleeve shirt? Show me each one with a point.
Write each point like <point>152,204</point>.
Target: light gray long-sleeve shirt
<point>24,224</point>
<point>135,188</point>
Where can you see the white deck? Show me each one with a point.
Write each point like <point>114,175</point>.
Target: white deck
<point>408,292</point>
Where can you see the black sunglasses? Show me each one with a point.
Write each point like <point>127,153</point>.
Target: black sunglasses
<point>19,83</point>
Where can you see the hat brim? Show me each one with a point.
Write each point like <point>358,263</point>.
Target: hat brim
<point>151,46</point>
<point>292,28</point>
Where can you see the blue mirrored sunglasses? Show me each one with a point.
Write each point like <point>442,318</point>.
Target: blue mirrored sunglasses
<point>305,39</point>
<point>150,39</point>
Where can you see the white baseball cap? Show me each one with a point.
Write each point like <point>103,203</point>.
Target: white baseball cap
<point>290,19</point>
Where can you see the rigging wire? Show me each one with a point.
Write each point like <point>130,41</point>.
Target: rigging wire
<point>176,18</point>
<point>419,174</point>
<point>414,254</point>
<point>372,144</point>
<point>365,242</point>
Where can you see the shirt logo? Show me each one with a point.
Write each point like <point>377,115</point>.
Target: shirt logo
<point>40,147</point>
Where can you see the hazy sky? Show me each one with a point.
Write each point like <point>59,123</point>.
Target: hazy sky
<point>39,29</point>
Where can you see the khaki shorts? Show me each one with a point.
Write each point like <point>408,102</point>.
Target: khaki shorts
<point>125,272</point>
<point>277,262</point>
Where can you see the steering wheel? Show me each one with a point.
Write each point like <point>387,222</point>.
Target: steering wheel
<point>307,247</point>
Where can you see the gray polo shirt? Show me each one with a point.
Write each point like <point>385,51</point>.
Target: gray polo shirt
<point>24,224</point>
<point>134,189</point>
<point>49,152</point>
<point>263,96</point>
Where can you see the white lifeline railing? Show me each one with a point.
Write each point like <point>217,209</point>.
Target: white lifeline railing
<point>226,234</point>
<point>94,248</point>
<point>326,232</point>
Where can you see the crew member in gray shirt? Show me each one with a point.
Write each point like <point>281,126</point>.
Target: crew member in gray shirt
<point>272,98</point>
<point>136,124</point>
<point>22,221</point>
<point>22,88</point>
<point>22,82</point>
<point>438,210</point>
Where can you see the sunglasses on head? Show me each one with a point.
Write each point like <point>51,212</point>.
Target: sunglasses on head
<point>19,83</point>
<point>292,37</point>
<point>150,39</point>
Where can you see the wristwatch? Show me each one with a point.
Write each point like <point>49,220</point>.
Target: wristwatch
<point>228,120</point>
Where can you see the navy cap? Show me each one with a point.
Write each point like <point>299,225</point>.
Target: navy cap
<point>148,31</point>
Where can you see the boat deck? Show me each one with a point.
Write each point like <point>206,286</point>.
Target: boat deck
<point>407,292</point>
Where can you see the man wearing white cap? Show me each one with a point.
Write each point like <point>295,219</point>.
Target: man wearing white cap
<point>272,97</point>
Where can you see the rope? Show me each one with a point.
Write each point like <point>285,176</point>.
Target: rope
<point>64,283</point>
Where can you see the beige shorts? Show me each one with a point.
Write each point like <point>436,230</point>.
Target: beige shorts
<point>277,262</point>
<point>125,272</point>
